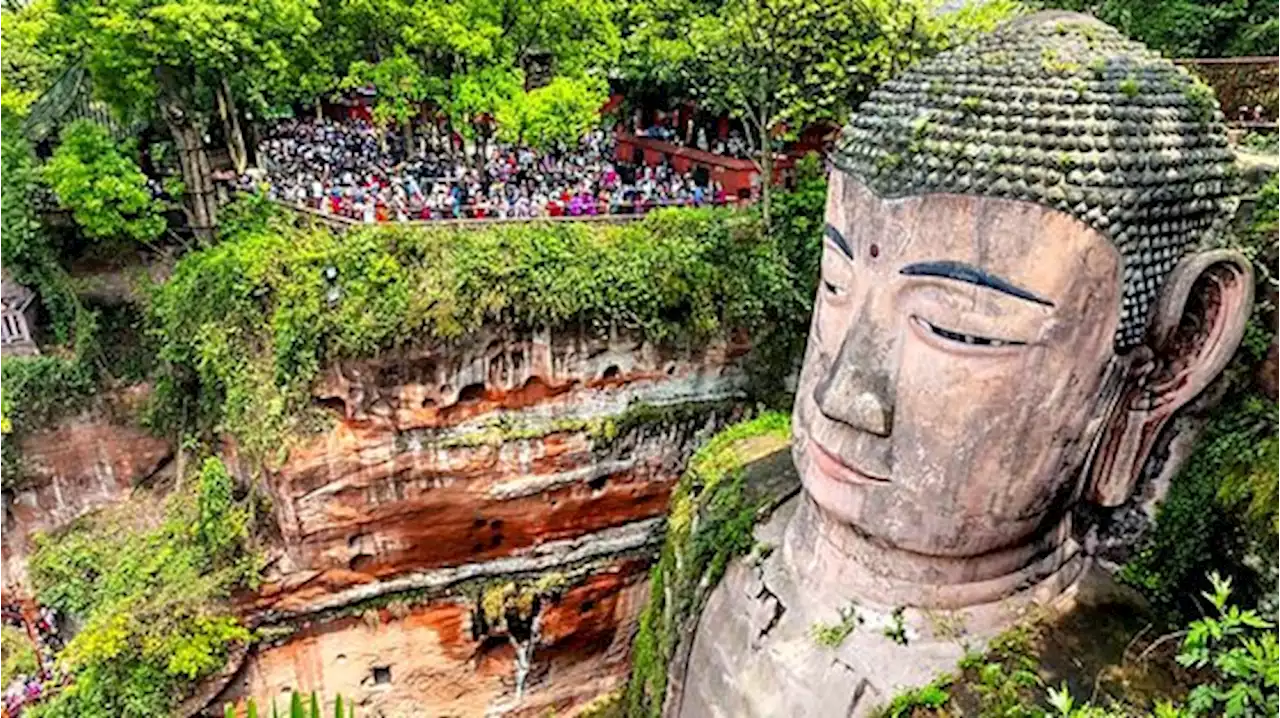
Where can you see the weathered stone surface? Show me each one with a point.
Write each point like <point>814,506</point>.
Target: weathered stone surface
<point>448,469</point>
<point>445,469</point>
<point>433,665</point>
<point>80,465</point>
<point>473,452</point>
<point>987,356</point>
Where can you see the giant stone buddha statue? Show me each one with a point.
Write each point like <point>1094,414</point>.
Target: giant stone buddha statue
<point>1014,300</point>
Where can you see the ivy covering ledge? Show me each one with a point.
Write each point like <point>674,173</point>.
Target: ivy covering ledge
<point>246,326</point>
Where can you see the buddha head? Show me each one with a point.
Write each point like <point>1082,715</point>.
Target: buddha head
<point>1015,294</point>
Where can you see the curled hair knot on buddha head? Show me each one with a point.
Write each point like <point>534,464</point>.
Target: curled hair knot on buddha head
<point>1062,110</point>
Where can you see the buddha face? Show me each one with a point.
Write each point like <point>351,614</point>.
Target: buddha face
<point>958,350</point>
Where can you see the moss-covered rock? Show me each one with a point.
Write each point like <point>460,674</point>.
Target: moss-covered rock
<point>713,510</point>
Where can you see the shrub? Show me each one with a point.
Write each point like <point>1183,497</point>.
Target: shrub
<point>150,593</point>
<point>244,327</point>
<point>97,179</point>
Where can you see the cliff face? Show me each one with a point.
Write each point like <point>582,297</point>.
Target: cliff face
<point>468,532</point>
<point>80,465</point>
<point>450,471</point>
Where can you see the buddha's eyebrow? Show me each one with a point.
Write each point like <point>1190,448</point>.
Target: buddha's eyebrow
<point>841,243</point>
<point>962,272</point>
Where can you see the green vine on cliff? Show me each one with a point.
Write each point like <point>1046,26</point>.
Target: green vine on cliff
<point>710,522</point>
<point>244,327</point>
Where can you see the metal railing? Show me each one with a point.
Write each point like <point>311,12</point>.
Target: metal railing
<point>633,212</point>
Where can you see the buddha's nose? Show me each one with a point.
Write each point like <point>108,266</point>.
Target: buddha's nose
<point>858,388</point>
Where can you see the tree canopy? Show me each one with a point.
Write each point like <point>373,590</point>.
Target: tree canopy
<point>102,186</point>
<point>33,53</point>
<point>779,65</point>
<point>1191,28</point>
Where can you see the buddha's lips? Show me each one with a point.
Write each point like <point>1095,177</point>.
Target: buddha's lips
<point>830,465</point>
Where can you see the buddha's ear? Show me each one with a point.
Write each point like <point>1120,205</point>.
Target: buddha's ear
<point>1194,331</point>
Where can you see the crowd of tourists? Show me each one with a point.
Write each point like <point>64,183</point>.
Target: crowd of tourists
<point>29,688</point>
<point>685,126</point>
<point>345,169</point>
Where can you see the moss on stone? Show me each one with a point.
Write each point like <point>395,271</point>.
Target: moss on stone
<point>710,521</point>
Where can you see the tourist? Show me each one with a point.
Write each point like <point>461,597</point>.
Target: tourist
<point>342,169</point>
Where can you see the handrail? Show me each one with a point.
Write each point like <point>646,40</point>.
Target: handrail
<point>1251,60</point>
<point>343,222</point>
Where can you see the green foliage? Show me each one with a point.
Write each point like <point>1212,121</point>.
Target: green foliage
<point>245,326</point>
<point>1240,647</point>
<point>149,589</point>
<point>557,114</point>
<point>1231,656</point>
<point>896,631</point>
<point>1261,233</point>
<point>141,52</point>
<point>1193,533</point>
<point>297,707</point>
<point>933,696</point>
<point>33,53</point>
<point>29,254</point>
<point>1189,28</point>
<point>1263,143</point>
<point>39,390</point>
<point>401,86</point>
<point>1004,679</point>
<point>791,62</point>
<point>709,522</point>
<point>1062,702</point>
<point>831,635</point>
<point>99,181</point>
<point>796,226</point>
<point>17,655</point>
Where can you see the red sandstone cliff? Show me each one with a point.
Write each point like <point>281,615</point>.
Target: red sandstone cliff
<point>445,472</point>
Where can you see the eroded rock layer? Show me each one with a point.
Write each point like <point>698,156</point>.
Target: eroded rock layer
<point>467,533</point>
<point>534,460</point>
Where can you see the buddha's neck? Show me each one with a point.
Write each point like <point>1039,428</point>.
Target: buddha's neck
<point>830,558</point>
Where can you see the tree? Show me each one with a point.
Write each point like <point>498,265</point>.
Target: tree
<point>27,251</point>
<point>656,53</point>
<point>401,87</point>
<point>477,96</point>
<point>556,114</point>
<point>1190,28</point>
<point>33,54</point>
<point>98,180</point>
<point>779,65</point>
<point>170,59</point>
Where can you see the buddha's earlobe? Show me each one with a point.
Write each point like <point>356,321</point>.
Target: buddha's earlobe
<point>1194,331</point>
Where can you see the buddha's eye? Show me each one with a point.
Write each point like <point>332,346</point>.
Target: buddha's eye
<point>967,339</point>
<point>832,289</point>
